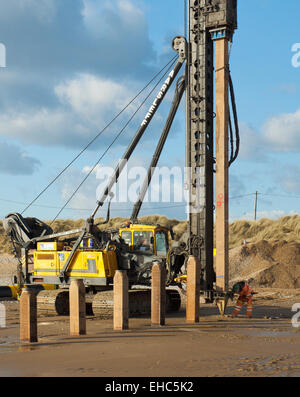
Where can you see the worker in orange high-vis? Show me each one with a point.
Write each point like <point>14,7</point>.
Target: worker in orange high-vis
<point>245,296</point>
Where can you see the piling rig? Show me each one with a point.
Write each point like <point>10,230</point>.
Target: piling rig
<point>94,255</point>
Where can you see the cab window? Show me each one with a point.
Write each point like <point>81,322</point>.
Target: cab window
<point>126,236</point>
<point>161,243</point>
<point>143,241</point>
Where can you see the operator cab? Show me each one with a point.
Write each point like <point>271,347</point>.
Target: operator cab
<point>146,239</point>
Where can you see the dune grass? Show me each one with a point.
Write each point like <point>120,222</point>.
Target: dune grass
<point>286,228</point>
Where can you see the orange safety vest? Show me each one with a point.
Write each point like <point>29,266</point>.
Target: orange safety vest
<point>246,292</point>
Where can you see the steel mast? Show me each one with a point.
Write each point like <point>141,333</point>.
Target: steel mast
<point>208,20</point>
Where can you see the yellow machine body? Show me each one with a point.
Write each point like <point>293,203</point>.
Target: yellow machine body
<point>91,264</point>
<point>96,267</point>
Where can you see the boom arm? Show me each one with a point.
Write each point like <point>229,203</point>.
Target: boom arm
<point>176,101</point>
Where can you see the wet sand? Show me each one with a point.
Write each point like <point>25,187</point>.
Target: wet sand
<point>264,346</point>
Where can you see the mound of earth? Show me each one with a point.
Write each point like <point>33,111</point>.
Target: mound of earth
<point>270,264</point>
<point>8,268</point>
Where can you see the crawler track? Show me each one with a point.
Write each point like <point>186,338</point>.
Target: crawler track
<point>139,303</point>
<point>102,304</point>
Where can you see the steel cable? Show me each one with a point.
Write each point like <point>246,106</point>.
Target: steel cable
<point>112,143</point>
<point>97,136</point>
<point>236,123</point>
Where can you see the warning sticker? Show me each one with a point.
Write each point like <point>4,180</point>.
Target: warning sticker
<point>47,246</point>
<point>61,257</point>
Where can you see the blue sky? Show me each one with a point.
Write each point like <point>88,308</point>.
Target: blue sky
<point>73,64</point>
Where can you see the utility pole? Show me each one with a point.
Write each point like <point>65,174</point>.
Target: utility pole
<point>255,205</point>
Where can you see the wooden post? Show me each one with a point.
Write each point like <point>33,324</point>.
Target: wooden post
<point>28,316</point>
<point>193,290</point>
<point>121,299</point>
<point>77,308</point>
<point>158,294</point>
<point>2,316</point>
<point>222,122</point>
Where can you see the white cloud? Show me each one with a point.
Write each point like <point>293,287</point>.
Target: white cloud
<point>282,133</point>
<point>43,126</point>
<point>92,97</point>
<point>86,104</point>
<point>278,134</point>
<point>48,97</point>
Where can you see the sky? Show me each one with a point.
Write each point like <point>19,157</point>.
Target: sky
<point>72,66</point>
